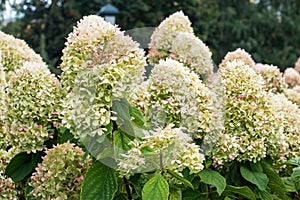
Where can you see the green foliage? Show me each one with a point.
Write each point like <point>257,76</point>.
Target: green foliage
<point>22,165</point>
<point>255,176</point>
<point>156,188</point>
<point>213,178</point>
<point>275,182</point>
<point>182,179</point>
<point>244,191</point>
<point>99,183</point>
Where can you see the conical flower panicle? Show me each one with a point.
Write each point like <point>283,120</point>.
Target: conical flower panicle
<point>33,107</point>
<point>272,76</point>
<point>111,68</point>
<point>249,119</point>
<point>61,173</point>
<point>14,53</point>
<point>164,35</point>
<point>193,53</point>
<point>176,95</point>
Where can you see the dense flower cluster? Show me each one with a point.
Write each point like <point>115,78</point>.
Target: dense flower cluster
<point>176,95</point>
<point>91,31</point>
<point>272,76</point>
<point>33,106</point>
<point>249,121</point>
<point>7,186</point>
<point>238,54</point>
<point>165,34</point>
<point>293,95</point>
<point>288,115</point>
<point>114,70</point>
<point>192,52</point>
<point>60,174</point>
<point>291,77</point>
<point>2,105</point>
<point>14,53</point>
<point>171,149</point>
<point>297,65</point>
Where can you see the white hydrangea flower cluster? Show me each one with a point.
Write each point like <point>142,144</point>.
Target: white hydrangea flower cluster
<point>14,53</point>
<point>293,95</point>
<point>288,115</point>
<point>91,31</point>
<point>238,54</point>
<point>174,38</point>
<point>249,120</point>
<point>164,35</point>
<point>272,76</point>
<point>113,70</point>
<point>171,149</point>
<point>192,52</point>
<point>176,95</point>
<point>291,77</point>
<point>33,107</point>
<point>61,173</point>
<point>2,105</point>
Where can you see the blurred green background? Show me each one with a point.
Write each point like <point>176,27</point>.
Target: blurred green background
<point>268,29</point>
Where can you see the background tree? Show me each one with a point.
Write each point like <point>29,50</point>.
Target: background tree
<point>268,29</point>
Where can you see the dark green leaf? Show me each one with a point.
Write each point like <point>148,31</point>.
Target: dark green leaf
<point>257,178</point>
<point>256,167</point>
<point>99,183</point>
<point>28,189</point>
<point>234,173</point>
<point>22,165</point>
<point>138,116</point>
<point>193,195</point>
<point>213,178</point>
<point>264,195</point>
<point>156,188</point>
<point>121,143</point>
<point>182,179</point>
<point>175,194</point>
<point>244,191</point>
<point>275,182</point>
<point>289,184</point>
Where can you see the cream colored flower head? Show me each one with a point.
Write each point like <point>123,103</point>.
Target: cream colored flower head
<point>192,52</point>
<point>272,76</point>
<point>165,34</point>
<point>91,31</point>
<point>176,95</point>
<point>33,106</point>
<point>111,68</point>
<point>249,120</point>
<point>291,77</point>
<point>14,53</point>
<point>170,148</point>
<point>61,173</point>
<point>238,54</point>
